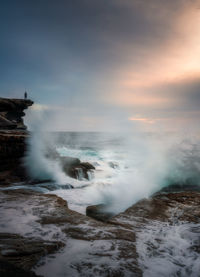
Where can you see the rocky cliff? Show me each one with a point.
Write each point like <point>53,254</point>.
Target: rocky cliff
<point>12,148</point>
<point>12,112</point>
<point>12,134</point>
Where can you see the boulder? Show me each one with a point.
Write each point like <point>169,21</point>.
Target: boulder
<point>74,168</point>
<point>87,165</point>
<point>99,212</point>
<point>69,162</point>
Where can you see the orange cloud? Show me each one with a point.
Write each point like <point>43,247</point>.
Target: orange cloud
<point>175,61</point>
<point>141,99</point>
<point>144,120</point>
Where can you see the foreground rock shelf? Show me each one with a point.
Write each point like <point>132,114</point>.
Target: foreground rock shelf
<point>44,223</point>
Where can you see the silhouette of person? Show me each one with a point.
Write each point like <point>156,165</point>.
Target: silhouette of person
<point>25,95</point>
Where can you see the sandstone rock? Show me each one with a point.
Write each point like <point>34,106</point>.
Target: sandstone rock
<point>9,104</point>
<point>69,161</point>
<point>25,252</point>
<point>12,149</point>
<point>99,212</point>
<point>87,165</point>
<point>12,135</point>
<point>75,168</point>
<point>111,246</point>
<point>11,113</point>
<point>9,270</point>
<point>109,243</point>
<point>6,124</point>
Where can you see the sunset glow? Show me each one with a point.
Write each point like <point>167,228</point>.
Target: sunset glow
<point>106,63</point>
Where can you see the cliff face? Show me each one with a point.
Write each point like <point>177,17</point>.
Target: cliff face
<point>12,148</point>
<point>11,113</point>
<point>12,133</point>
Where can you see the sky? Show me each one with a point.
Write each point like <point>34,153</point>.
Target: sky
<point>95,65</point>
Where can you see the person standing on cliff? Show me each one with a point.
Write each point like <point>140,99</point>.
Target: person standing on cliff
<point>25,95</point>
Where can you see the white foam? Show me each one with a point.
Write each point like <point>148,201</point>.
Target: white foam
<point>169,250</point>
<point>143,165</point>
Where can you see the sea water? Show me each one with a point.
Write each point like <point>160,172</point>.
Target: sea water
<point>128,167</point>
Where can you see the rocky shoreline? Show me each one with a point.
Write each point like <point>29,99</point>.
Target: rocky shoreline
<point>38,230</point>
<point>42,223</point>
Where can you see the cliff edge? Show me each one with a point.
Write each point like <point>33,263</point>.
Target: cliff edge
<point>12,135</point>
<point>12,112</point>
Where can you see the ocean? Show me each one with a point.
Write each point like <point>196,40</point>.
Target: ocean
<point>128,167</point>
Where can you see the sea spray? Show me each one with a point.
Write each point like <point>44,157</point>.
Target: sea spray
<point>140,173</point>
<point>40,148</point>
<point>144,164</point>
<point>184,162</point>
<point>129,166</point>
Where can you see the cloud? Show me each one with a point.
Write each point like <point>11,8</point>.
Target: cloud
<point>142,119</point>
<point>39,107</point>
<point>102,61</point>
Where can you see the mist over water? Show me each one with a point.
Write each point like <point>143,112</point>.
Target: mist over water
<point>129,166</point>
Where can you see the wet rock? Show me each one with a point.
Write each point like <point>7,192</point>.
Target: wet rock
<point>109,247</point>
<point>161,223</point>
<point>113,165</point>
<point>75,168</point>
<point>99,212</point>
<point>9,270</point>
<point>49,214</point>
<point>69,162</point>
<point>87,165</point>
<point>25,252</point>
